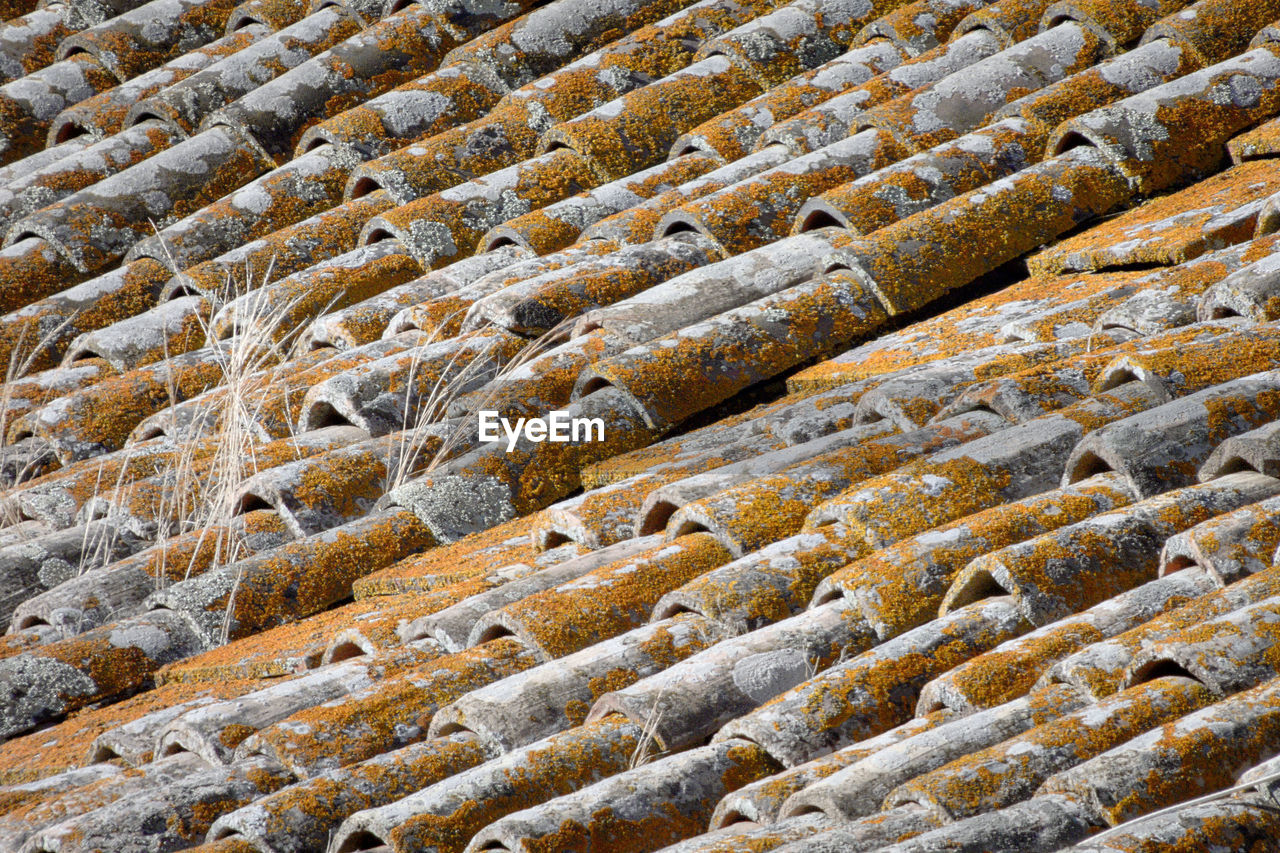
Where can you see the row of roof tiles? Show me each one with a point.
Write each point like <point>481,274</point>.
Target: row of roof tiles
<point>997,578</point>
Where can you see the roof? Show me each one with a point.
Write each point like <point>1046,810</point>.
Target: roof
<point>920,369</point>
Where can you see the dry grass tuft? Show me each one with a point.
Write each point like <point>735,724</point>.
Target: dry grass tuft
<point>205,493</point>
<point>19,366</point>
<point>445,395</point>
<point>645,751</point>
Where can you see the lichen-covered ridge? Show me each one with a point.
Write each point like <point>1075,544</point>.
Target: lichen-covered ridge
<point>936,348</point>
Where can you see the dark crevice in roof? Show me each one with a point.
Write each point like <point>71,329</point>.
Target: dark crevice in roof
<point>251,502</point>
<point>1070,140</point>
<point>172,748</point>
<point>346,651</point>
<point>324,415</point>
<point>672,608</point>
<point>687,527</point>
<point>1117,378</point>
<point>360,841</point>
<point>494,632</point>
<point>69,130</point>
<point>1088,465</point>
<point>498,243</point>
<point>739,404</point>
<point>655,521</point>
<point>25,622</point>
<point>678,227</point>
<point>1177,564</point>
<point>1234,465</point>
<point>594,384</point>
<point>818,219</point>
<point>825,596</point>
<point>182,290</point>
<point>363,187</point>
<point>554,539</point>
<point>1135,266</point>
<point>979,586</point>
<point>1152,670</point>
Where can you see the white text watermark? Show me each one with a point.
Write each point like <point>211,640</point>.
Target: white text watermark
<point>557,426</point>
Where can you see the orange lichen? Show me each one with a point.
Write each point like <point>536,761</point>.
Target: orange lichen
<point>63,746</point>
<point>469,557</point>
<point>391,713</point>
<point>613,598</point>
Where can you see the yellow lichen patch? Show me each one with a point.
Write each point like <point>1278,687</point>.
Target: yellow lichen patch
<point>918,497</point>
<point>565,762</point>
<point>639,461</point>
<point>16,644</point>
<point>1066,570</point>
<point>974,325</point>
<point>756,211</point>
<point>1188,758</point>
<point>537,475</point>
<point>1105,675</point>
<point>84,479</point>
<point>749,763</point>
<point>584,287</point>
<point>770,587</point>
<point>323,234</point>
<point>754,514</point>
<point>607,516</point>
<point>776,790</point>
<point>874,691</point>
<point>347,485</point>
<point>113,666</point>
<point>64,746</point>
<point>736,350</point>
<point>1005,673</point>
<point>365,125</point>
<point>395,711</point>
<point>184,556</point>
<point>641,133</point>
<point>540,231</point>
<point>1192,366</point>
<point>472,556</point>
<point>185,478</point>
<point>922,257</point>
<point>1259,142</point>
<point>328,799</point>
<point>277,404</point>
<point>613,598</point>
<point>769,508</point>
<point>605,830</point>
<point>1216,212</point>
<point>105,414</point>
<point>901,586</point>
<point>307,576</point>
<point>912,24</point>
<point>294,301</point>
<point>41,50</point>
<point>192,824</point>
<point>291,648</point>
<point>24,330</point>
<point>232,735</point>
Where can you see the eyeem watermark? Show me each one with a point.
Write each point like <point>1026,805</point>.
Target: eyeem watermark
<point>557,426</point>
